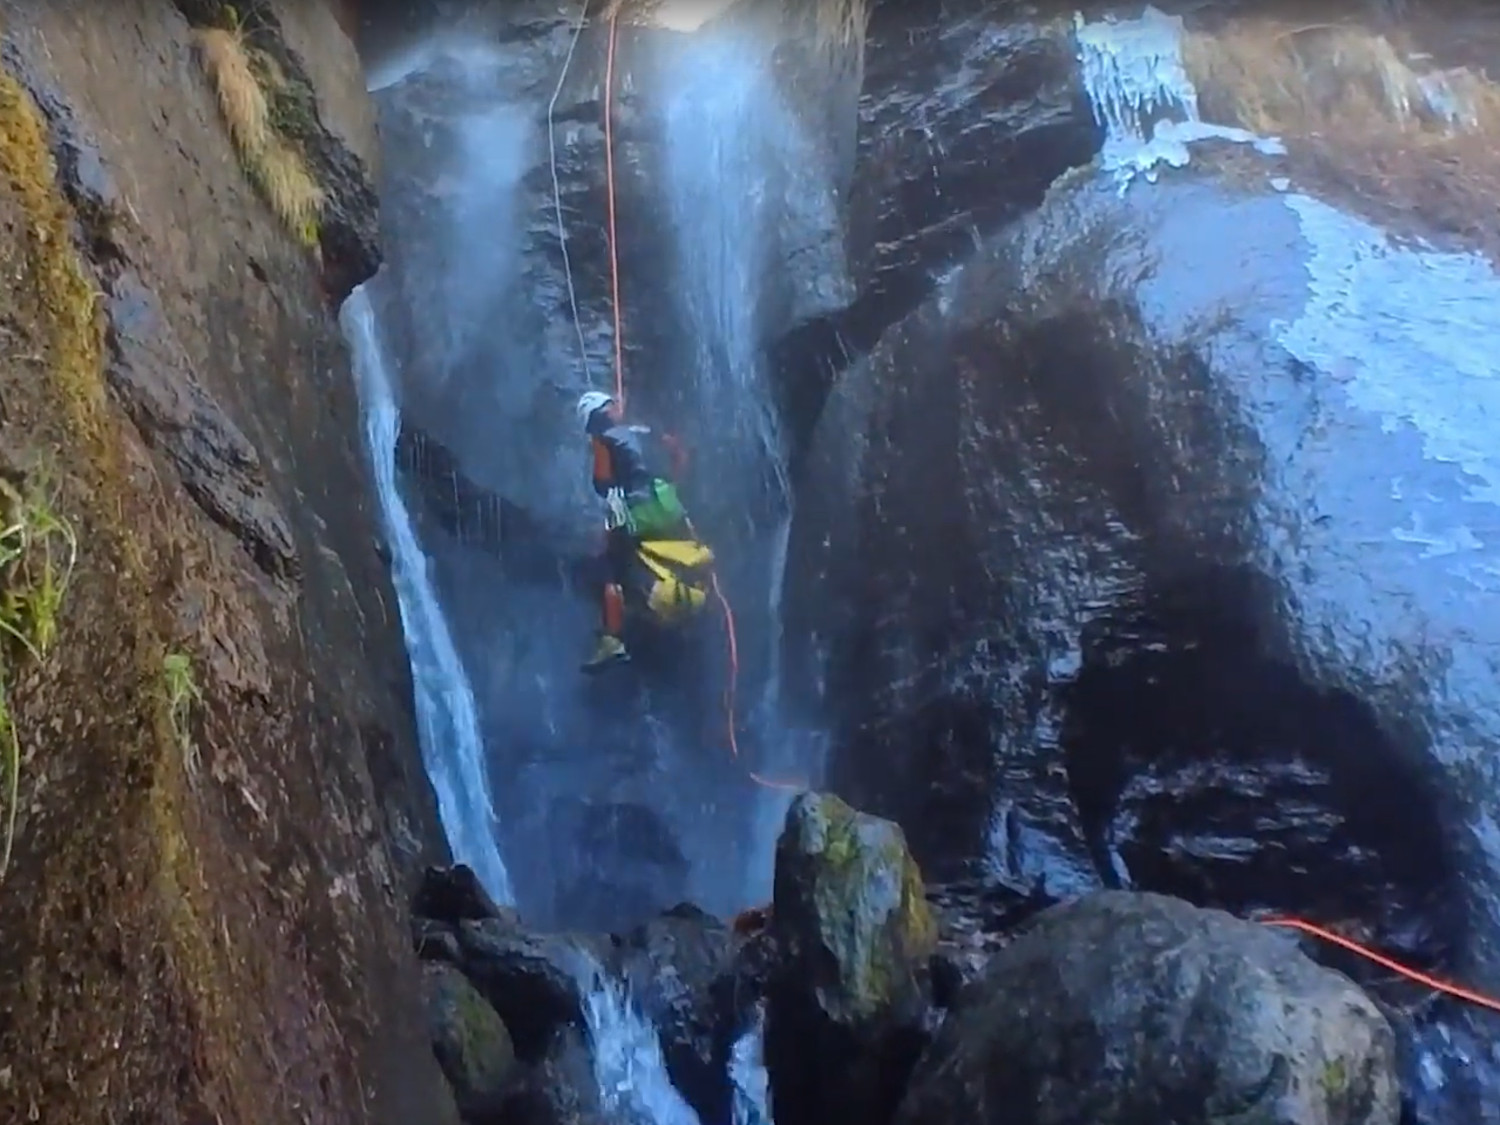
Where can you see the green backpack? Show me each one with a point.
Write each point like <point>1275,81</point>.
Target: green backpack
<point>659,516</point>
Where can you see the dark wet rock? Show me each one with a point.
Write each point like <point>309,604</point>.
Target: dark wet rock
<point>680,968</point>
<point>974,919</point>
<point>1119,1008</point>
<point>469,1039</point>
<point>435,941</point>
<point>1108,675</point>
<point>848,999</point>
<point>455,894</point>
<point>175,414</point>
<point>966,119</point>
<point>537,982</point>
<point>151,372</point>
<point>558,1089</point>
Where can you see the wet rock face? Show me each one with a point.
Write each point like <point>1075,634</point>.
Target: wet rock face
<point>964,121</point>
<point>1137,656</point>
<point>560,1089</point>
<point>175,375</point>
<point>1120,1008</point>
<point>847,999</point>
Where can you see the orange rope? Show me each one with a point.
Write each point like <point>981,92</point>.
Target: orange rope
<point>1456,991</point>
<point>614,278</point>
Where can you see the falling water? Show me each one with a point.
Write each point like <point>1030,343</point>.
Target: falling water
<point>448,722</point>
<point>747,1073</point>
<point>628,1063</point>
<point>737,175</point>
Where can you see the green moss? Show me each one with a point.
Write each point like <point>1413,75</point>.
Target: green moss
<point>482,1035</point>
<point>112,684</point>
<point>38,552</point>
<point>472,1042</point>
<point>70,300</point>
<point>876,940</point>
<point>1335,1078</point>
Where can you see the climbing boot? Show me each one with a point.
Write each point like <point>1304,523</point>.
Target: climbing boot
<point>609,650</point>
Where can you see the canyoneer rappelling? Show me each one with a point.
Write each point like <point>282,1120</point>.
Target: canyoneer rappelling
<point>655,572</point>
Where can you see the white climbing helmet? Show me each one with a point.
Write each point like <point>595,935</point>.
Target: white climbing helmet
<point>589,402</point>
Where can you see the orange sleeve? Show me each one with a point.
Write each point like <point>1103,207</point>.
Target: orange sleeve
<point>604,472</point>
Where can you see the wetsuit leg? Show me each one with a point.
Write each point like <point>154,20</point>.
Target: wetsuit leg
<point>619,557</point>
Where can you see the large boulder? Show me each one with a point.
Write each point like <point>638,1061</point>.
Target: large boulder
<point>848,998</point>
<point>538,982</point>
<point>1120,1008</point>
<point>469,1039</point>
<point>1177,637</point>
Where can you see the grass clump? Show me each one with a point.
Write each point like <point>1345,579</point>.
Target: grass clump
<point>180,688</point>
<point>1333,80</point>
<point>249,87</point>
<point>38,552</point>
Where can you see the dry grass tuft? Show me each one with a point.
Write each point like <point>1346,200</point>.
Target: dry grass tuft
<point>1418,151</point>
<point>246,83</point>
<point>1332,80</point>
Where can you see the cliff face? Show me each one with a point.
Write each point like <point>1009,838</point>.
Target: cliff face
<point>213,798</point>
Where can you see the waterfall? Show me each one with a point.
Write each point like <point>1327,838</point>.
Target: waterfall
<point>628,1065</point>
<point>448,721</point>
<point>737,175</point>
<point>747,1071</point>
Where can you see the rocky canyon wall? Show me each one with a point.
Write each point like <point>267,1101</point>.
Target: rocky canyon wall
<point>219,797</point>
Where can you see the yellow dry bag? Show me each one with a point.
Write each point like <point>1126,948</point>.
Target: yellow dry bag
<point>681,570</point>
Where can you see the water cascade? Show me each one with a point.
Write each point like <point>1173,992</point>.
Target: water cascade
<point>448,721</point>
<point>737,175</point>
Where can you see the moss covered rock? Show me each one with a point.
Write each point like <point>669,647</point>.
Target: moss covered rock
<point>849,998</point>
<point>468,1037</point>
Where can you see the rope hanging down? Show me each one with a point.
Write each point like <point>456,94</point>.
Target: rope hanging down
<point>614,280</point>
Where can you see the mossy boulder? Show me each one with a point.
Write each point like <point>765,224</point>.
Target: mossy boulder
<point>1120,1008</point>
<point>848,1001</point>
<point>468,1037</point>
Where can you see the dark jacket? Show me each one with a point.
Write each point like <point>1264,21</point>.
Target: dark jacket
<point>630,458</point>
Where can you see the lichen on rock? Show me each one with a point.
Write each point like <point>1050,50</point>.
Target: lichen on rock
<point>848,1000</point>
<point>846,883</point>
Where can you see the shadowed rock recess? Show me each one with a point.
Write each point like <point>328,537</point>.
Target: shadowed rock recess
<point>1092,411</point>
